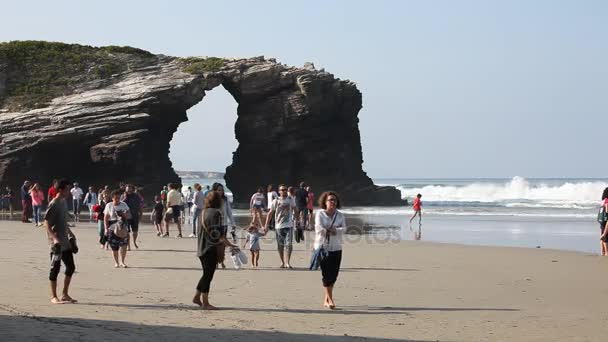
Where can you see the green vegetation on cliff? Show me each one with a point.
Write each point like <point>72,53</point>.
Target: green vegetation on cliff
<point>34,72</point>
<point>199,65</point>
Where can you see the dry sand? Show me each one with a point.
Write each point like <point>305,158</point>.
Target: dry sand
<point>409,290</point>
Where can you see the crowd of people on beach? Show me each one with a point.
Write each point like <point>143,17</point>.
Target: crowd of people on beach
<point>118,213</point>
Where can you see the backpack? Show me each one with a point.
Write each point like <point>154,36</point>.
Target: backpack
<point>602,215</point>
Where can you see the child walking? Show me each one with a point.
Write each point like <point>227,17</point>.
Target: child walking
<point>253,237</point>
<point>157,215</point>
<point>417,210</point>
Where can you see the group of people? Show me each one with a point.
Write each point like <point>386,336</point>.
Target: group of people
<point>118,213</point>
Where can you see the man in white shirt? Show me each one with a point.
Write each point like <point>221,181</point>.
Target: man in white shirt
<point>282,210</point>
<point>76,198</point>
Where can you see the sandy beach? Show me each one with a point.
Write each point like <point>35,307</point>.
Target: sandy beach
<point>403,290</point>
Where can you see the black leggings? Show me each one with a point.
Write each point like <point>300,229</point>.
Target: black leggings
<point>330,267</point>
<point>68,261</point>
<point>209,263</point>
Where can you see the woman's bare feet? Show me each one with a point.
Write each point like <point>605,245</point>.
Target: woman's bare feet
<point>124,265</point>
<point>67,298</point>
<point>56,300</point>
<point>116,265</point>
<point>209,307</point>
<point>136,246</point>
<point>197,300</point>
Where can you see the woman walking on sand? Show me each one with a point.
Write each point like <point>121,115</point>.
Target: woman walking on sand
<point>271,196</point>
<point>227,218</point>
<point>604,223</point>
<point>37,201</point>
<point>329,229</point>
<point>310,203</point>
<point>115,219</point>
<point>211,237</point>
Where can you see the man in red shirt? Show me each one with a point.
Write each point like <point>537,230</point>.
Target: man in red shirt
<point>53,190</point>
<point>417,209</point>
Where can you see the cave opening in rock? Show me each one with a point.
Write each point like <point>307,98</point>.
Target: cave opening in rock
<point>206,141</point>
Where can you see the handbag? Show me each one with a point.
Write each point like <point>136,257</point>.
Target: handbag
<point>321,253</point>
<point>120,229</point>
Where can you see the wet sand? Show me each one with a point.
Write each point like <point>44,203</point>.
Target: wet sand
<point>387,289</point>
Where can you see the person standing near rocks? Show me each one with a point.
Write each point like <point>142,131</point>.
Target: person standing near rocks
<point>76,197</point>
<point>37,201</point>
<point>6,200</point>
<point>61,249</point>
<point>329,230</point>
<point>281,210</point>
<point>189,197</point>
<point>133,201</point>
<point>26,202</point>
<point>90,199</point>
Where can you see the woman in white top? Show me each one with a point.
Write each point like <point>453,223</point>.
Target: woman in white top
<point>255,206</point>
<point>330,226</point>
<point>272,195</point>
<point>113,212</point>
<point>227,218</point>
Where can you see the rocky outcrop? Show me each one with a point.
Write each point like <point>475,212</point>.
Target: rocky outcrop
<point>293,124</point>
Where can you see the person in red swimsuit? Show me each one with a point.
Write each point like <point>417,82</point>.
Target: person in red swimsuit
<point>417,209</point>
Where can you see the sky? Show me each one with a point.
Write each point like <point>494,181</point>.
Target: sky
<point>450,88</point>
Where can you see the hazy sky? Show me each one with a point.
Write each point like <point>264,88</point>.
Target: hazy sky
<point>450,88</point>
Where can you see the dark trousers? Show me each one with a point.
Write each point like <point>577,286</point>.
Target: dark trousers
<point>209,263</point>
<point>27,209</point>
<point>330,267</point>
<point>68,260</point>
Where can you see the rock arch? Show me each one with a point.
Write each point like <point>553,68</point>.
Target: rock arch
<point>293,124</point>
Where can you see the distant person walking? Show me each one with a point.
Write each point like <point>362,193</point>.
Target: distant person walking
<point>133,201</point>
<point>417,206</point>
<point>59,237</point>
<point>256,204</point>
<point>91,199</point>
<point>37,202</point>
<point>271,196</point>
<point>189,196</point>
<point>227,220</point>
<point>26,202</point>
<point>210,238</point>
<point>157,215</point>
<point>301,212</point>
<point>310,205</point>
<point>281,210</point>
<point>76,198</point>
<point>198,204</point>
<point>603,220</point>
<point>329,230</point>
<point>115,219</point>
<point>174,204</point>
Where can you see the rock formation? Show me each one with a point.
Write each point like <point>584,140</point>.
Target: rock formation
<point>105,115</point>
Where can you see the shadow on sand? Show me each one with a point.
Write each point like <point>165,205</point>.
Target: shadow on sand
<point>51,329</point>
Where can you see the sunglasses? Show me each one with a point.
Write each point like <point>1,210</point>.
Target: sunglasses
<point>331,200</point>
<point>282,190</point>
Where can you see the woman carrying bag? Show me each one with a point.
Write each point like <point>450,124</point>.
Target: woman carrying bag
<point>210,242</point>
<point>330,226</point>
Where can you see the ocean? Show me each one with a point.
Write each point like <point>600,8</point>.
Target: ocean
<point>516,212</point>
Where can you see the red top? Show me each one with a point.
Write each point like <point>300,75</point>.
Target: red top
<point>417,203</point>
<point>52,193</point>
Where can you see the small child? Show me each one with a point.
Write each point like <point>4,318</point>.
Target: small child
<point>417,206</point>
<point>253,237</point>
<point>157,215</point>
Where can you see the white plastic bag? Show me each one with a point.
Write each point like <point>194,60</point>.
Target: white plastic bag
<point>236,261</point>
<point>242,257</point>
